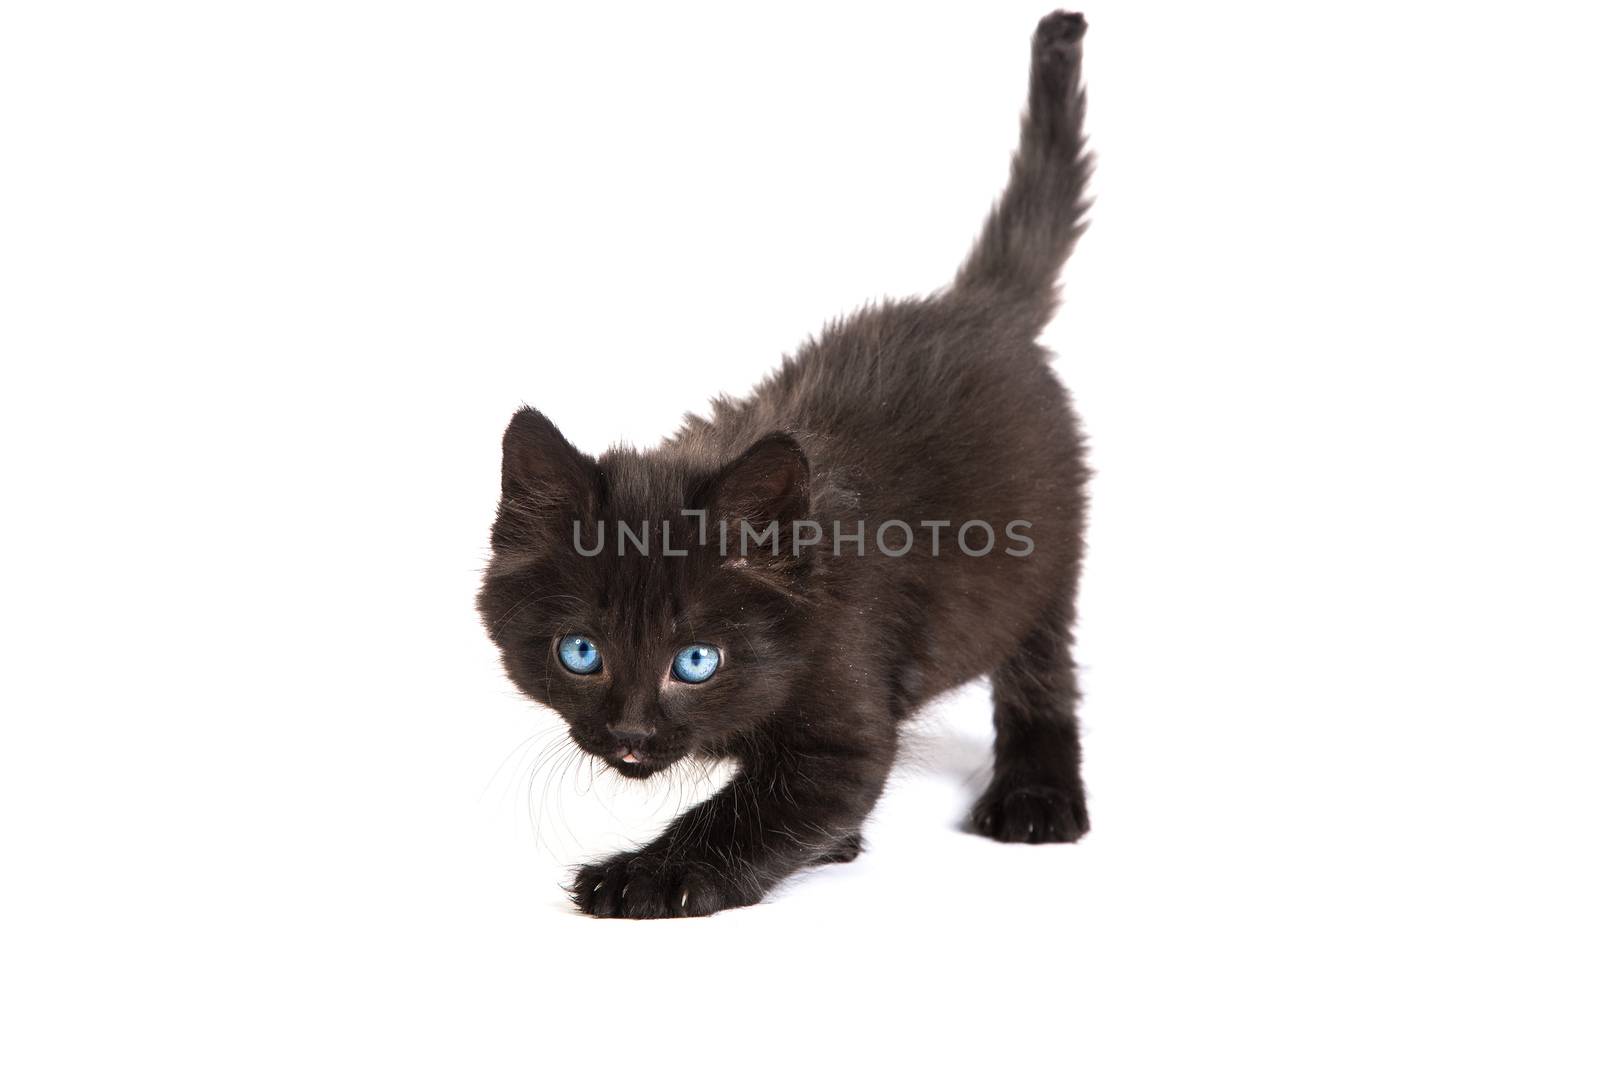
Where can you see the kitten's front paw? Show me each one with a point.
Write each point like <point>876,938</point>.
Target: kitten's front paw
<point>638,885</point>
<point>845,850</point>
<point>1035,814</point>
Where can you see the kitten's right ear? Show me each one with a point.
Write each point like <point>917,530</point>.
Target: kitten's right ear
<point>541,469</point>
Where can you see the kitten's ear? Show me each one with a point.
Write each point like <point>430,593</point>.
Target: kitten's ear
<point>537,461</point>
<point>771,481</point>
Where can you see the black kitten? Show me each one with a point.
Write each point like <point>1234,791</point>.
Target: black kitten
<point>898,510</point>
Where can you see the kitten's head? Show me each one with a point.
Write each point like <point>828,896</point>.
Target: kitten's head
<point>648,655</point>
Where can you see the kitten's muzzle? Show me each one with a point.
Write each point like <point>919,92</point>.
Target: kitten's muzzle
<point>631,745</point>
<point>631,751</point>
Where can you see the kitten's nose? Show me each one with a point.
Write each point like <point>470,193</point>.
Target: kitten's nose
<point>631,742</point>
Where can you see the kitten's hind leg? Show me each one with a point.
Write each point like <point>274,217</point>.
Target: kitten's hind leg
<point>1037,792</point>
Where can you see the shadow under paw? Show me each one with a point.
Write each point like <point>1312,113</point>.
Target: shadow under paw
<point>1029,813</point>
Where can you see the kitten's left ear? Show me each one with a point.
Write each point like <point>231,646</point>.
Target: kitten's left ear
<point>770,482</point>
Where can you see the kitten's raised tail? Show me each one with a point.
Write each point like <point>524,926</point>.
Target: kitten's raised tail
<point>1039,218</point>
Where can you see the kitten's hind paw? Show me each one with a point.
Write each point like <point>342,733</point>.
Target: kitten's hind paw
<point>1033,814</point>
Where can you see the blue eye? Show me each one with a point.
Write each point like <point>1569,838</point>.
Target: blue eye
<point>696,663</point>
<point>578,654</point>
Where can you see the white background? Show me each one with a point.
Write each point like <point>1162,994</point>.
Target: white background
<point>276,275</point>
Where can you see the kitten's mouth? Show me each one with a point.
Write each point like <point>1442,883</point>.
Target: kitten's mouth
<point>631,763</point>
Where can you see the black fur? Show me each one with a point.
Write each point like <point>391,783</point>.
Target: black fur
<point>941,408</point>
